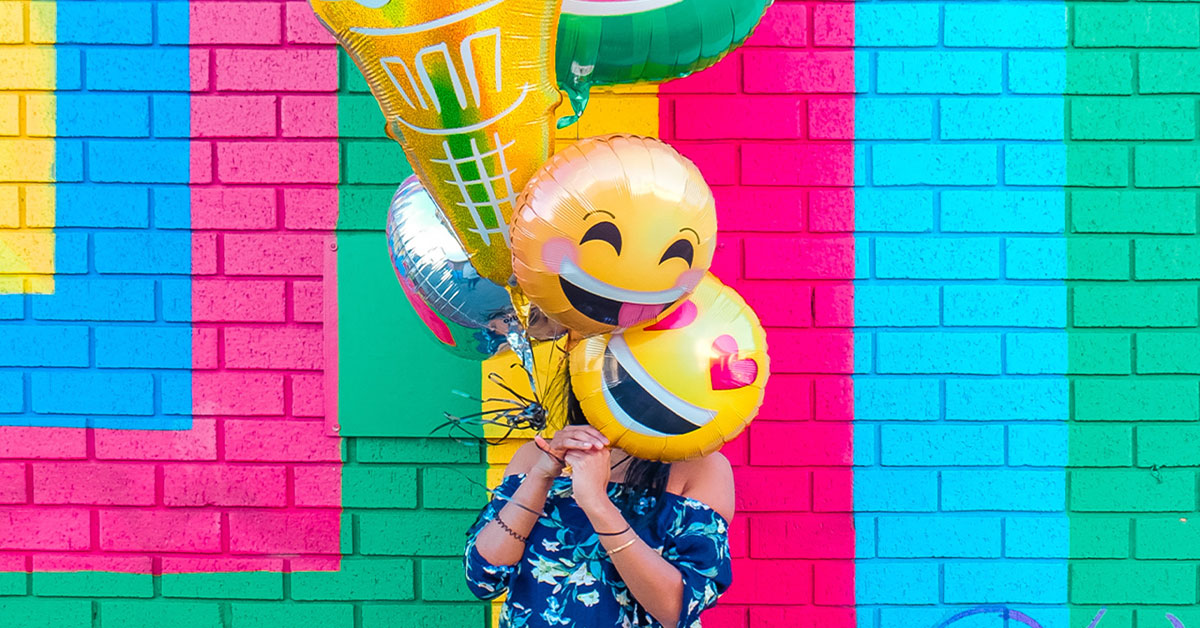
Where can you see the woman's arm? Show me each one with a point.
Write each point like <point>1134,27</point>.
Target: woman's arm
<point>496,545</point>
<point>657,584</point>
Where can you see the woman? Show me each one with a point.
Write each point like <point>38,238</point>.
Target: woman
<point>619,542</point>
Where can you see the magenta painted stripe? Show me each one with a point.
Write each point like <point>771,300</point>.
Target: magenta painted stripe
<point>782,169</point>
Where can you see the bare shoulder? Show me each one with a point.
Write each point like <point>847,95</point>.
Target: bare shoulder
<point>709,480</point>
<point>523,460</point>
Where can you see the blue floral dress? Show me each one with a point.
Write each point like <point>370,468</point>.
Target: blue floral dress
<point>565,578</point>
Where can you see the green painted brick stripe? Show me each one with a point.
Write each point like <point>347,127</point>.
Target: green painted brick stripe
<point>1104,536</point>
<point>1100,445</point>
<point>33,612</point>
<point>409,615</point>
<point>1166,258</point>
<point>449,488</point>
<point>394,384</point>
<point>13,583</point>
<point>1161,72</point>
<point>1126,118</point>
<point>160,614</point>
<point>442,581</point>
<point>1136,305</point>
<point>1100,353</point>
<point>1132,490</point>
<point>1143,211</point>
<point>1136,399</point>
<point>1097,165</point>
<point>92,584</point>
<point>1169,446</point>
<point>1113,617</point>
<point>1172,538</point>
<point>379,487</point>
<point>1133,273</point>
<point>1168,352</point>
<point>416,533</point>
<point>302,614</point>
<point>358,579</point>
<point>418,450</point>
<point>1137,25</point>
<point>1099,72</point>
<point>1132,582</point>
<point>254,585</point>
<point>1166,166</point>
<point>1102,259</point>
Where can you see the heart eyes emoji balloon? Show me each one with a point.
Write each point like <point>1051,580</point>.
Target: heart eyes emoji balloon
<point>611,232</point>
<point>680,387</point>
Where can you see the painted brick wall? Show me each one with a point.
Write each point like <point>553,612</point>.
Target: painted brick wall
<point>1132,265</point>
<point>770,128</point>
<point>960,408</point>
<point>970,229</point>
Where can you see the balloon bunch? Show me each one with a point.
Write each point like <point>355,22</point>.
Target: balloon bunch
<point>496,243</point>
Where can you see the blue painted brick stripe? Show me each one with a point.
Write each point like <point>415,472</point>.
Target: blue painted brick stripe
<point>960,399</point>
<point>111,347</point>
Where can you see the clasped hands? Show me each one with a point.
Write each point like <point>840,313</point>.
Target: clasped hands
<point>586,450</point>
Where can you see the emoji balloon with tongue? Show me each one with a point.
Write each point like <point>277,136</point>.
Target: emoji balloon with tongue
<point>611,232</point>
<point>679,387</point>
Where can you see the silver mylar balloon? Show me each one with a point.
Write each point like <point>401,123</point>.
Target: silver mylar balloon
<point>472,314</point>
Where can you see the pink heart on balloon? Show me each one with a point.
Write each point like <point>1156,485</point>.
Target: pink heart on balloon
<point>726,369</point>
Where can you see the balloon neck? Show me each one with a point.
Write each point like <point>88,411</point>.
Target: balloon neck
<point>578,95</point>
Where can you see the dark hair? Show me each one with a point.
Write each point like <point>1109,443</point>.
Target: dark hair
<point>640,474</point>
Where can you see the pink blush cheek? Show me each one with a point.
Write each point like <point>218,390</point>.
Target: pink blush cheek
<point>554,251</point>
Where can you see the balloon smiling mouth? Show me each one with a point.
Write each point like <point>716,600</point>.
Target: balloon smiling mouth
<point>608,304</point>
<point>630,391</point>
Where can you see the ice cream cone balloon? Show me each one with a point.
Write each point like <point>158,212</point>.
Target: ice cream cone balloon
<point>467,87</point>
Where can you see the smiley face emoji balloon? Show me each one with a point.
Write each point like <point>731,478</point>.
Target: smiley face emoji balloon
<point>681,386</point>
<point>611,232</point>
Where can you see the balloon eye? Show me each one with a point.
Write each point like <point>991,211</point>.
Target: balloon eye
<point>605,231</point>
<point>681,249</point>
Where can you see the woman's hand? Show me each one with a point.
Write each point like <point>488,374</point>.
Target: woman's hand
<point>572,437</point>
<point>590,471</point>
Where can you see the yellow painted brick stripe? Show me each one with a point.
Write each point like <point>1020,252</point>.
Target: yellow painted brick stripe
<point>616,110</point>
<point>27,147</point>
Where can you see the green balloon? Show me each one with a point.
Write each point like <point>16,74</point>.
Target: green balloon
<point>619,42</point>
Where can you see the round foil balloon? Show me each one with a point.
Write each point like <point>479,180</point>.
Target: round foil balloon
<point>466,87</point>
<point>463,310</point>
<point>678,388</point>
<point>617,42</point>
<point>611,232</point>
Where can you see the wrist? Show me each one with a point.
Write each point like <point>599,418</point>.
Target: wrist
<point>596,506</point>
<point>543,474</point>
<point>540,477</point>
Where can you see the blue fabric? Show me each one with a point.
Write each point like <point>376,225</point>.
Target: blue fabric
<point>566,579</point>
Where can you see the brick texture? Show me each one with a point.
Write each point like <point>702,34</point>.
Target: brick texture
<point>782,166</point>
<point>1133,317</point>
<point>985,386</point>
<point>202,396</point>
<point>960,355</point>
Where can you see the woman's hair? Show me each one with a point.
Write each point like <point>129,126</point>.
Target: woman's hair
<point>640,474</point>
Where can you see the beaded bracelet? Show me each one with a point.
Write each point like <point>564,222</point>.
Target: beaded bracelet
<point>523,539</point>
<point>627,528</point>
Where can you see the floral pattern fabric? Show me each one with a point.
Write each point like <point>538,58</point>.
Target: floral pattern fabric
<point>565,579</point>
